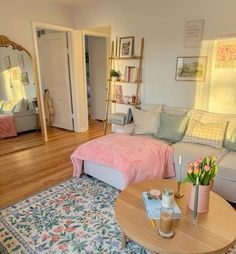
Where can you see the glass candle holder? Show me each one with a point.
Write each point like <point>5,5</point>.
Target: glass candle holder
<point>166,222</point>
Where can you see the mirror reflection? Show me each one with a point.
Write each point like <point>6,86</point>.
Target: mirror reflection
<point>19,114</point>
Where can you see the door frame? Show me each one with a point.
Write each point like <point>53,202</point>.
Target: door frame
<point>108,39</point>
<point>35,26</point>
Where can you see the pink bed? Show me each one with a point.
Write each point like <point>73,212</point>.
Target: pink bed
<point>7,127</point>
<point>136,158</point>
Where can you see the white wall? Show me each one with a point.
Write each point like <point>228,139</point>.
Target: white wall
<point>16,19</point>
<point>162,24</point>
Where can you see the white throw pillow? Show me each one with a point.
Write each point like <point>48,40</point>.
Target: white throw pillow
<point>146,122</point>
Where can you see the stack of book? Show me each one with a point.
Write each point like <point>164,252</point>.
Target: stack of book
<point>153,207</point>
<point>131,74</point>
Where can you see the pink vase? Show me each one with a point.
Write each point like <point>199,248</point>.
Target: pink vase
<point>203,198</point>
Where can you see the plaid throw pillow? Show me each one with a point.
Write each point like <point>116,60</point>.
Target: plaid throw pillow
<point>211,134</point>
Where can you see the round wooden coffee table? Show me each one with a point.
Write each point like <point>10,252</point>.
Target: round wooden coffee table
<point>214,233</point>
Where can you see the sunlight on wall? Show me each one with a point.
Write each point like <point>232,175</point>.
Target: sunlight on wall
<point>218,92</point>
<point>14,90</point>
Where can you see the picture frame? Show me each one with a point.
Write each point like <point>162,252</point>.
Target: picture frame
<point>193,33</point>
<point>21,61</point>
<point>126,47</point>
<point>7,61</point>
<point>24,78</point>
<point>191,68</point>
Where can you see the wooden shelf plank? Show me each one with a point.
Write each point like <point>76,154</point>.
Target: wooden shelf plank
<point>127,58</point>
<point>123,81</point>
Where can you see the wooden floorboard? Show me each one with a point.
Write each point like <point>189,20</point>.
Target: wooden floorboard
<point>26,172</point>
<point>20,142</point>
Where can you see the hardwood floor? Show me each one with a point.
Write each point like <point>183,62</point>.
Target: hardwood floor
<point>26,172</point>
<point>21,142</point>
<point>29,171</point>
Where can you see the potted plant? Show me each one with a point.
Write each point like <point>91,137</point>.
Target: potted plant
<point>201,174</point>
<point>114,75</point>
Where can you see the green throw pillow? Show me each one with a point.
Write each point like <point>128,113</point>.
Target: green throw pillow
<point>231,143</point>
<point>172,127</point>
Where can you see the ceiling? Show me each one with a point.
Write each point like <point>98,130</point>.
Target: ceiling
<point>70,2</point>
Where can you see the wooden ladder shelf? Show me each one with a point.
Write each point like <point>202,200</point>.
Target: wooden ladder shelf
<point>112,60</point>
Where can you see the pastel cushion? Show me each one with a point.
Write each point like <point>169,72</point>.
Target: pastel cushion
<point>146,122</point>
<point>208,117</point>
<point>172,127</point>
<point>24,105</point>
<point>230,143</point>
<point>211,134</point>
<point>9,106</point>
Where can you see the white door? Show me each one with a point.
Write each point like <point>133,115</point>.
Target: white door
<point>55,76</point>
<point>97,48</point>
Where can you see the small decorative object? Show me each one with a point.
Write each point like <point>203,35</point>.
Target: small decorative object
<point>178,193</point>
<point>167,198</point>
<point>200,173</point>
<point>193,33</point>
<point>166,222</point>
<point>155,194</point>
<point>191,68</point>
<point>126,46</point>
<point>7,62</point>
<point>114,75</point>
<point>24,78</point>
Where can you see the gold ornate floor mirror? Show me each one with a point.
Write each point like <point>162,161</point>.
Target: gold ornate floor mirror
<point>21,121</point>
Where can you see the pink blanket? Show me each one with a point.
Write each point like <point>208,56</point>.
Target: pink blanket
<point>137,158</point>
<point>7,127</point>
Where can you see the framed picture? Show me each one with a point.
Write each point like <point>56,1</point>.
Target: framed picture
<point>126,46</point>
<point>193,33</point>
<point>21,61</point>
<point>226,53</point>
<point>24,78</point>
<point>7,62</point>
<point>191,68</point>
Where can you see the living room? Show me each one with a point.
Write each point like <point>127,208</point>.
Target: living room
<point>162,24</point>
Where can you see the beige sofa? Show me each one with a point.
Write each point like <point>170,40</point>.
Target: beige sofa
<point>185,151</point>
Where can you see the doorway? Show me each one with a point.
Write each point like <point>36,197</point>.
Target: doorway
<point>96,59</point>
<point>54,60</point>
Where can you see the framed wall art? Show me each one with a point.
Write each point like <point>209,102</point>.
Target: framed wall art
<point>24,78</point>
<point>226,53</point>
<point>7,62</point>
<point>191,68</point>
<point>193,33</point>
<point>126,46</point>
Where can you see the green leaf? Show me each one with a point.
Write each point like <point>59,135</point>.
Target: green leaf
<point>7,239</point>
<point>16,248</point>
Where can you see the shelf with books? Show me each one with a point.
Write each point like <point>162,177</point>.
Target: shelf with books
<point>119,92</point>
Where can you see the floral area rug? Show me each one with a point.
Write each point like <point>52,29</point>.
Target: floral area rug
<point>74,217</point>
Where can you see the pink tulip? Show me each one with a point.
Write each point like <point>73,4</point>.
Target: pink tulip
<point>207,168</point>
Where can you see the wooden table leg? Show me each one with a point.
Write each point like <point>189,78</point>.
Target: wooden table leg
<point>123,240</point>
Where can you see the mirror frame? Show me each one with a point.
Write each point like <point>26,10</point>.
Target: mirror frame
<point>5,42</point>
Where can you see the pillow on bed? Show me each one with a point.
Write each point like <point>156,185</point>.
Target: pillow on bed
<point>146,122</point>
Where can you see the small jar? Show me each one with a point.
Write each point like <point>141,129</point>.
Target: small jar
<point>167,198</point>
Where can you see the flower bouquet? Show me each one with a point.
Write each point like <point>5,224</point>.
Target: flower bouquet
<point>200,173</point>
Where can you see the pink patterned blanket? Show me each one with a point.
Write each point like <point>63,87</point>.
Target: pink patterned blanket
<point>137,158</point>
<point>7,127</point>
